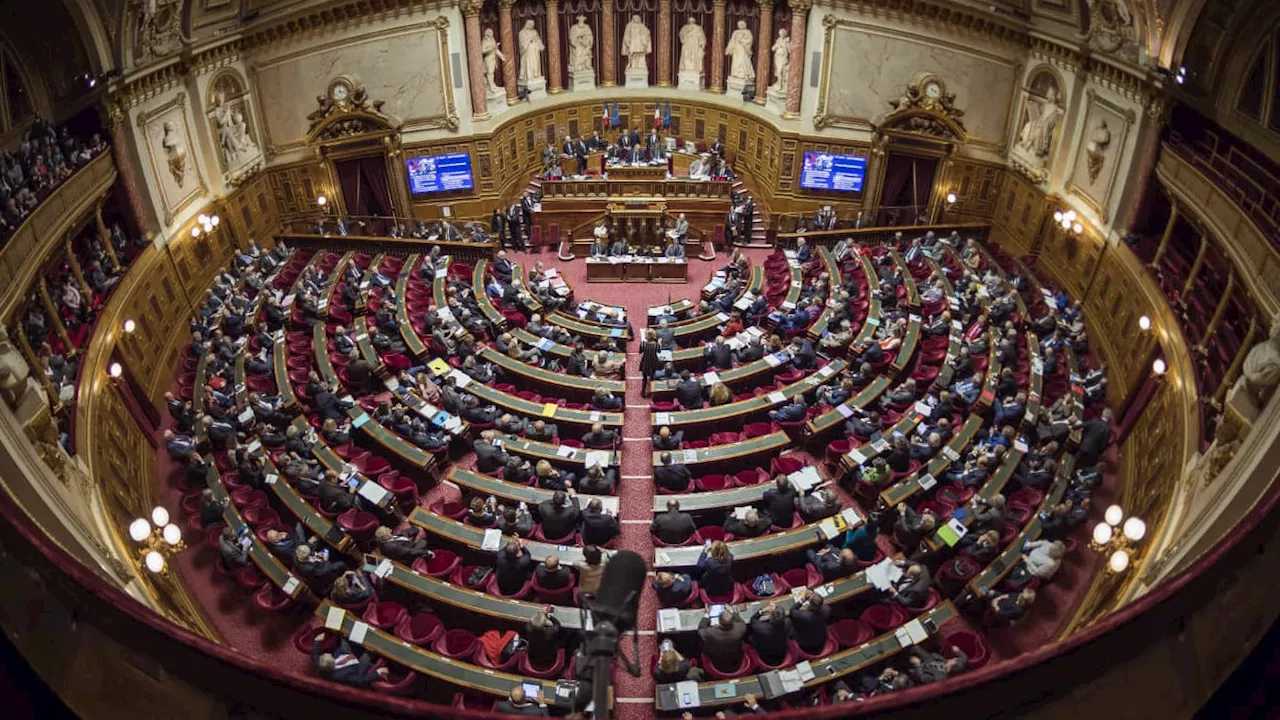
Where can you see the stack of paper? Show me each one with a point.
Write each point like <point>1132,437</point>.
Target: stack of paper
<point>669,620</point>
<point>597,458</point>
<point>856,457</point>
<point>844,410</point>
<point>565,451</point>
<point>828,528</point>
<point>333,621</point>
<point>373,492</point>
<point>492,540</point>
<point>384,568</point>
<point>776,397</point>
<point>851,517</point>
<point>710,378</point>
<point>662,418</point>
<point>883,574</point>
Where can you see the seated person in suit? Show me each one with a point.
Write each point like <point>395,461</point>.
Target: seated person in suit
<point>864,425</point>
<point>688,392</point>
<point>489,457</point>
<point>911,527</point>
<point>559,515</point>
<point>343,665</point>
<point>512,567</point>
<point>793,411</point>
<point>752,524</point>
<point>1012,606</point>
<point>673,527</point>
<point>541,431</point>
<point>929,667</point>
<point>912,589</point>
<point>818,505</point>
<point>721,641</point>
<point>672,588</point>
<point>968,389</point>
<point>517,704</point>
<point>482,513</point>
<point>982,547</point>
<point>672,476</point>
<point>516,520</point>
<point>351,588</point>
<point>313,566</point>
<point>779,501</point>
<point>833,564</point>
<point>768,634</point>
<point>675,250</point>
<point>598,527</point>
<point>602,399</point>
<point>599,437</point>
<point>598,481</point>
<point>404,546</point>
<point>552,575</point>
<point>549,478</point>
<point>664,439</point>
<point>809,622</point>
<point>235,553</point>
<point>543,634</point>
<point>672,667</point>
<point>719,356</point>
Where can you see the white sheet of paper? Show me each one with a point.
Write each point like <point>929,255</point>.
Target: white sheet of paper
<point>271,478</point>
<point>565,451</point>
<point>828,528</point>
<point>687,694</point>
<point>776,397</point>
<point>851,517</point>
<point>333,621</point>
<point>857,457</point>
<point>358,632</point>
<point>492,539</point>
<point>384,568</point>
<point>844,410</point>
<point>373,492</point>
<point>290,585</point>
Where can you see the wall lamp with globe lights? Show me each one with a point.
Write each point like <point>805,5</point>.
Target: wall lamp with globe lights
<point>207,224</point>
<point>1069,221</point>
<point>157,539</point>
<point>1116,537</point>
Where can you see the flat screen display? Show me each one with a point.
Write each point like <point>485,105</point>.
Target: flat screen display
<point>439,173</point>
<point>827,171</point>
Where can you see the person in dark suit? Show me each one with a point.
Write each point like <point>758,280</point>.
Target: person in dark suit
<point>673,527</point>
<point>721,641</point>
<point>809,623</point>
<point>688,392</point>
<point>552,575</point>
<point>664,439</point>
<point>672,589</point>
<point>768,635</point>
<point>598,526</point>
<point>929,667</point>
<point>803,355</point>
<point>334,497</point>
<point>715,568</point>
<point>673,477</point>
<point>911,527</point>
<point>818,505</point>
<point>598,481</point>
<point>912,589</point>
<point>489,457</point>
<point>517,704</point>
<point>649,362</point>
<point>542,631</point>
<point>831,563</point>
<point>779,501</point>
<point>559,516</point>
<point>753,524</point>
<point>512,567</point>
<point>1095,435</point>
<point>343,665</point>
<point>793,411</point>
<point>599,437</point>
<point>719,355</point>
<point>404,546</point>
<point>313,567</point>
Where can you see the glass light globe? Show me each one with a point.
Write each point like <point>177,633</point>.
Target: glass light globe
<point>1102,533</point>
<point>154,561</point>
<point>1057,216</point>
<point>172,534</point>
<point>215,220</point>
<point>159,516</point>
<point>1135,529</point>
<point>1119,561</point>
<point>1158,366</point>
<point>322,200</point>
<point>139,530</point>
<point>1114,515</point>
<point>115,370</point>
<point>951,198</point>
<point>1066,224</point>
<point>195,232</point>
<point>1071,215</point>
<point>202,219</point>
<point>130,326</point>
<point>1144,322</point>
<point>1077,228</point>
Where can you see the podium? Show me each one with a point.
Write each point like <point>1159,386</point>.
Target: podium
<point>637,172</point>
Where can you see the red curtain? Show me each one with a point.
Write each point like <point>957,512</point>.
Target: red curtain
<point>349,180</point>
<point>897,176</point>
<point>366,189</point>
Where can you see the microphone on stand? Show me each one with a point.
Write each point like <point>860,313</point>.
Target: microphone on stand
<point>613,612</point>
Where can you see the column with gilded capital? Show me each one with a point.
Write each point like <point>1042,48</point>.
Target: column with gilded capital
<point>475,61</point>
<point>764,49</point>
<point>508,40</point>
<point>608,45</point>
<point>555,68</point>
<point>795,72</point>
<point>717,46</point>
<point>664,43</point>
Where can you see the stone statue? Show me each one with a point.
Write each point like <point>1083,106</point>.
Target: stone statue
<point>159,28</point>
<point>13,368</point>
<point>781,61</point>
<point>233,132</point>
<point>1036,136</point>
<point>739,52</point>
<point>1259,375</point>
<point>531,47</point>
<point>175,150</point>
<point>491,53</point>
<point>581,41</point>
<point>1096,149</point>
<point>637,43</point>
<point>693,46</point>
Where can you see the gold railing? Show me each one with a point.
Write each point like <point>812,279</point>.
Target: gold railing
<point>23,257</point>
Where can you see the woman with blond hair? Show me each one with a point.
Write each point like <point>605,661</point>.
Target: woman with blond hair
<point>715,568</point>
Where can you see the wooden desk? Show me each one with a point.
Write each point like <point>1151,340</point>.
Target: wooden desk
<point>472,537</point>
<point>439,667</point>
<point>435,590</point>
<point>835,418</point>
<point>487,308</point>
<point>485,485</point>
<point>588,328</point>
<point>583,419</point>
<point>412,341</point>
<point>683,306</point>
<point>517,279</point>
<point>398,246</point>
<point>737,412</point>
<point>819,326</point>
<point>555,348</point>
<point>754,373</point>
<point>555,454</point>
<point>839,665</point>
<point>703,461</point>
<point>908,280</point>
<point>301,509</point>
<point>637,172</point>
<point>778,543</point>
<point>638,269</point>
<point>565,385</point>
<point>268,563</point>
<point>919,481</point>
<point>994,485</point>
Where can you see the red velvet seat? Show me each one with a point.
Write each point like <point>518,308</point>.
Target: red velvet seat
<point>785,465</point>
<point>694,539</point>
<point>716,673</point>
<point>420,629</point>
<point>709,483</point>
<point>449,509</point>
<point>482,659</point>
<point>851,633</point>
<point>491,587</point>
<point>663,490</point>
<point>750,477</point>
<point>405,490</point>
<point>358,524</point>
<point>711,533</point>
<point>371,465</point>
<point>836,449</point>
<point>731,598</point>
<point>260,516</point>
<point>249,578</point>
<point>271,598</point>
<point>757,429</point>
<point>473,701</point>
<point>807,576</point>
<point>882,618</point>
<point>542,537</point>
<point>457,643</point>
<point>972,644</point>
<point>304,636</point>
<point>831,646</point>
<point>246,497</point>
<point>758,665</point>
<point>552,596</point>
<point>528,669</point>
<point>385,615</point>
<point>780,585</point>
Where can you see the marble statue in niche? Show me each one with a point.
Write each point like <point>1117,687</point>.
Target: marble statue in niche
<point>581,42</point>
<point>637,44</point>
<point>693,46</point>
<point>1096,150</point>
<point>781,61</point>
<point>1259,375</point>
<point>491,53</point>
<point>738,50</point>
<point>234,139</point>
<point>693,52</point>
<point>1042,113</point>
<point>531,47</point>
<point>175,152</point>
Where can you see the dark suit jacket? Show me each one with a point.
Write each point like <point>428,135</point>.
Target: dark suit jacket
<point>689,394</point>
<point>810,627</point>
<point>598,528</point>
<point>673,528</point>
<point>672,477</point>
<point>769,637</point>
<point>780,504</point>
<point>722,645</point>
<point>558,522</point>
<point>512,570</point>
<point>553,579</point>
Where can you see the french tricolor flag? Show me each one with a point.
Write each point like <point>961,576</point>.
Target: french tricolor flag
<point>657,115</point>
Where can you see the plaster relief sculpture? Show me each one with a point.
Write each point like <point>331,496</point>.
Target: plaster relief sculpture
<point>234,139</point>
<point>175,152</point>
<point>1096,149</point>
<point>1259,376</point>
<point>1038,120</point>
<point>491,53</point>
<point>693,52</point>
<point>159,29</point>
<point>581,43</point>
<point>1111,27</point>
